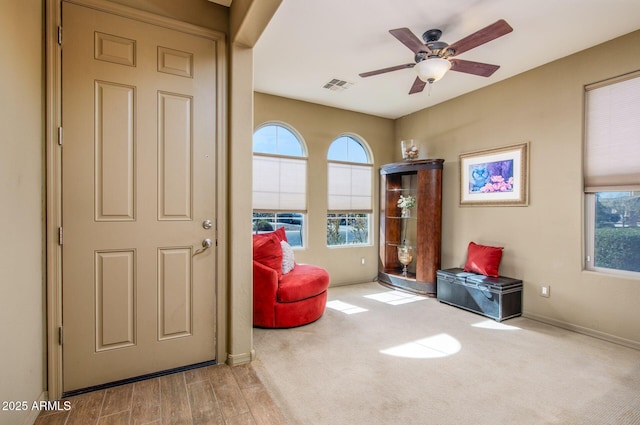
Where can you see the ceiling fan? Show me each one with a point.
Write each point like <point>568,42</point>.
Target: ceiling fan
<point>434,58</point>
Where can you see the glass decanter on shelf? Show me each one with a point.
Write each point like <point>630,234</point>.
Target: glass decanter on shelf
<point>405,256</point>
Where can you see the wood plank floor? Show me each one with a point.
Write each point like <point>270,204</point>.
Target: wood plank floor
<point>217,395</point>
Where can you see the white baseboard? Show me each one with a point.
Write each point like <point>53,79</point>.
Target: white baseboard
<point>33,413</point>
<point>583,330</point>
<point>238,359</point>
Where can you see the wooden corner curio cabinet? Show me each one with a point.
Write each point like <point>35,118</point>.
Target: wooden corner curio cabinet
<point>419,230</point>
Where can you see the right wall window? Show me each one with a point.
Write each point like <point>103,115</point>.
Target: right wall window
<point>612,175</point>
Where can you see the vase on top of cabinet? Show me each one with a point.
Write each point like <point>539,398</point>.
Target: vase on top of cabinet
<point>416,183</point>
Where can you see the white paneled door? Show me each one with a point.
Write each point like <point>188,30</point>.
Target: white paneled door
<point>138,184</point>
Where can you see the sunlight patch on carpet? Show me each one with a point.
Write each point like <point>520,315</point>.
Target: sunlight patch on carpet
<point>395,297</point>
<point>345,308</point>
<point>433,347</point>
<point>492,324</point>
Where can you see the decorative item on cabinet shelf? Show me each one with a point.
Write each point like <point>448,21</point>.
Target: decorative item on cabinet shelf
<point>405,203</point>
<point>405,256</point>
<point>409,149</point>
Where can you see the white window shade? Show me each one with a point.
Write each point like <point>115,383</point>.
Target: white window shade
<point>612,148</point>
<point>349,187</point>
<point>279,184</point>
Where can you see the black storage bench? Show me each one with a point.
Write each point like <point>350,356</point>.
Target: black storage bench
<point>499,298</point>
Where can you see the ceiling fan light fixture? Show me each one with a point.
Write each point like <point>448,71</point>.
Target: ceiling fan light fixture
<point>431,70</point>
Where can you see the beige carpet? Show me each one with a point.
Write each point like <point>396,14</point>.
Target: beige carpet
<point>380,357</point>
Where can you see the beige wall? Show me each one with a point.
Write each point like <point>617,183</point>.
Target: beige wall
<point>248,20</point>
<point>198,12</point>
<point>240,299</point>
<point>319,126</point>
<point>543,242</point>
<point>21,213</point>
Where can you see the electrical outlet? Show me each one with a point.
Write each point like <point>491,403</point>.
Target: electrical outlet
<point>362,261</point>
<point>545,291</point>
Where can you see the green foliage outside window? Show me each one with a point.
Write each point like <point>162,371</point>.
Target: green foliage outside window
<point>334,237</point>
<point>359,228</point>
<point>617,232</point>
<point>618,248</point>
<point>347,229</point>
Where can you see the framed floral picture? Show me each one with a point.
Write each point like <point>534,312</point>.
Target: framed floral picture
<point>495,176</point>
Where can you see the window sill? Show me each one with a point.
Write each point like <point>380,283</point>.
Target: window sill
<point>603,272</point>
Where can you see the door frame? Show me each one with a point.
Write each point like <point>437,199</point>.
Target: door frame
<point>53,178</point>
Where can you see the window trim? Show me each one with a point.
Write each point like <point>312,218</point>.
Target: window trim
<point>369,164</point>
<point>304,157</point>
<point>354,245</point>
<point>303,227</point>
<point>590,192</point>
<point>589,242</point>
<point>296,133</point>
<point>360,140</point>
<point>372,184</point>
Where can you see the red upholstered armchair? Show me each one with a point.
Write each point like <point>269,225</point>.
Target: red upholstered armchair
<point>285,298</point>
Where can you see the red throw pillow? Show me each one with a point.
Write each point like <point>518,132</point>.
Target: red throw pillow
<point>483,259</point>
<point>268,251</point>
<point>281,234</point>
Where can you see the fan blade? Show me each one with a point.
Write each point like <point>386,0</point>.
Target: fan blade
<point>383,70</point>
<point>475,68</point>
<point>406,37</point>
<point>418,86</point>
<point>485,35</point>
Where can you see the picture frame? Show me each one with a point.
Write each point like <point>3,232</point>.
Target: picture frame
<point>495,177</point>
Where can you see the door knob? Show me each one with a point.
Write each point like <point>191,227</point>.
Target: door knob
<point>207,224</point>
<point>206,244</point>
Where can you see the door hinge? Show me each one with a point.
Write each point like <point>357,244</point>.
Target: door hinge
<point>60,136</point>
<point>60,36</point>
<point>60,235</point>
<point>60,336</point>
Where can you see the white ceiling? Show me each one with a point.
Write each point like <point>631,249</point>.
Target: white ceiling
<point>310,42</point>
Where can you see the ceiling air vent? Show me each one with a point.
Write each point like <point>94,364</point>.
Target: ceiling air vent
<point>337,85</point>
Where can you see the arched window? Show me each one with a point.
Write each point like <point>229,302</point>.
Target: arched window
<point>349,192</point>
<point>277,139</point>
<point>279,181</point>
